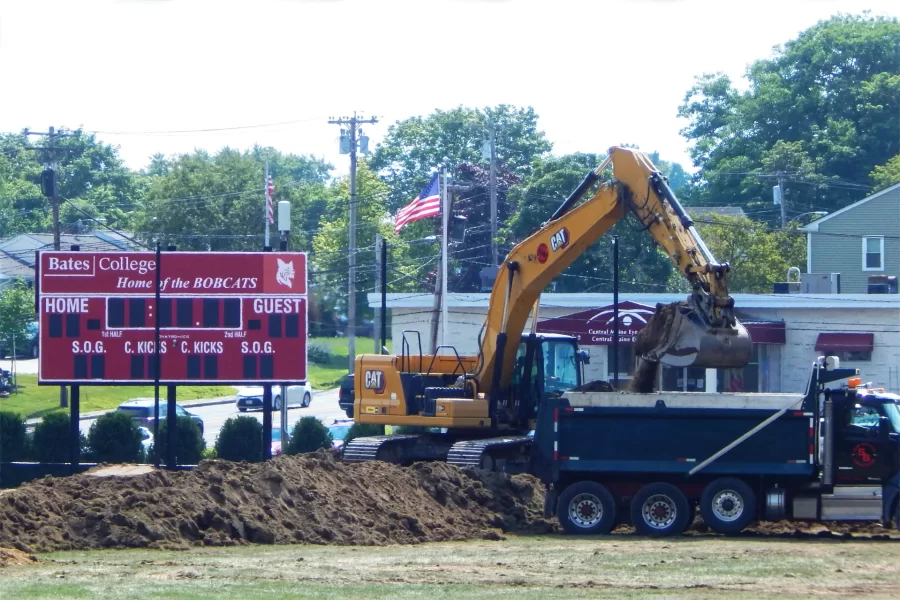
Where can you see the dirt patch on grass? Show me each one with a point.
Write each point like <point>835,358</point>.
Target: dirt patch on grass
<point>11,556</point>
<point>313,499</point>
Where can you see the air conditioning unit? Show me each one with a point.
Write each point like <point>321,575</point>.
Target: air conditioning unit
<point>786,287</point>
<point>820,283</point>
<point>882,284</point>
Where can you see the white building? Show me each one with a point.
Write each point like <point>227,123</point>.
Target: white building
<point>789,331</point>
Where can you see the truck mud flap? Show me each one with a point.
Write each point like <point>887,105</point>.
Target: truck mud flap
<point>506,454</point>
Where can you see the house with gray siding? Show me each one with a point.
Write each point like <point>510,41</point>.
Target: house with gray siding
<point>858,241</point>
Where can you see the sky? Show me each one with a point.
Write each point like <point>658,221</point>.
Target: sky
<point>172,76</point>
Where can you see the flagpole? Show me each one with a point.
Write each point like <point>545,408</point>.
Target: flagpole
<point>266,203</point>
<point>445,214</point>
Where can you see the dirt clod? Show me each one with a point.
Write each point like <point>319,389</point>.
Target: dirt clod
<point>11,556</point>
<point>311,499</point>
<point>654,333</point>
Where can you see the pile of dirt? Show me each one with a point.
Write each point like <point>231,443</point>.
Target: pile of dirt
<point>312,499</point>
<point>11,556</point>
<point>654,333</point>
<point>865,529</point>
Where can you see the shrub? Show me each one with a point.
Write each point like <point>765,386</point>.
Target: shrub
<point>319,353</point>
<point>190,443</point>
<point>13,439</point>
<point>309,435</point>
<point>363,430</point>
<point>210,453</point>
<point>240,439</point>
<point>114,438</point>
<point>51,439</point>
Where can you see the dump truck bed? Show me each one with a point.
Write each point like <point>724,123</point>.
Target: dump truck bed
<point>674,433</point>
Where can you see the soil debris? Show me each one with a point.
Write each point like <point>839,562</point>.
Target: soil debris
<point>649,338</point>
<point>309,498</point>
<point>12,556</point>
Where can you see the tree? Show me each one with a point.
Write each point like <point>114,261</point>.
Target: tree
<point>642,266</point>
<point>886,175</point>
<point>823,111</point>
<point>215,202</point>
<point>413,148</point>
<point>189,442</point>
<point>90,176</point>
<point>758,255</point>
<point>331,244</point>
<point>16,311</point>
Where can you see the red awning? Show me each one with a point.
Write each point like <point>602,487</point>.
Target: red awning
<point>851,342</point>
<point>765,332</point>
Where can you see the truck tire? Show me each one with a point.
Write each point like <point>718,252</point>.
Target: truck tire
<point>728,505</point>
<point>586,508</point>
<point>660,510</point>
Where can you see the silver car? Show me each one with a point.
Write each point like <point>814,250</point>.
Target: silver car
<point>252,397</point>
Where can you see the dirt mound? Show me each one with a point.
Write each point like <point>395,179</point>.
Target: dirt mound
<point>312,499</point>
<point>648,339</point>
<point>11,556</point>
<point>597,385</point>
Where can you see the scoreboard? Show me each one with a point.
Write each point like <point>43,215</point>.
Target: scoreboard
<point>223,317</point>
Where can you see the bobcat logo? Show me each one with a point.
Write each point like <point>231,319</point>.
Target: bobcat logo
<point>285,273</point>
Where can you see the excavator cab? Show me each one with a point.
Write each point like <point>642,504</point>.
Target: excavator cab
<point>547,366</point>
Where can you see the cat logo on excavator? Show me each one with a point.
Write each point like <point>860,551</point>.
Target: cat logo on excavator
<point>374,380</point>
<point>560,239</point>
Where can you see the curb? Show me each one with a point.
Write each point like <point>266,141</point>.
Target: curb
<point>162,402</point>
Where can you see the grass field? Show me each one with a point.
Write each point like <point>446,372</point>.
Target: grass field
<point>35,400</point>
<point>523,568</point>
<point>324,376</point>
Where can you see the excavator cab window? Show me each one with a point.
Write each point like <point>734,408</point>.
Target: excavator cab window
<point>560,367</point>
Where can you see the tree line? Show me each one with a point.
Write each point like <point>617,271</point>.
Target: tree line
<point>821,113</point>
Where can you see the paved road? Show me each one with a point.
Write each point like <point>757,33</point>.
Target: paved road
<point>324,406</point>
<point>28,367</point>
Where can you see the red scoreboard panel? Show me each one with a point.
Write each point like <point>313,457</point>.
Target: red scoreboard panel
<point>224,317</point>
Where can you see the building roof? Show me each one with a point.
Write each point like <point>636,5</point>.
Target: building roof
<point>741,301</point>
<point>17,254</point>
<point>814,226</point>
<point>725,211</point>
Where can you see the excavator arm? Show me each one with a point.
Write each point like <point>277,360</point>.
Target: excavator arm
<point>703,331</point>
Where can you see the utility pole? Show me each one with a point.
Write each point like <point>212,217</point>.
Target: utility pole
<point>780,198</point>
<point>379,342</point>
<point>50,188</point>
<point>351,147</point>
<point>489,151</point>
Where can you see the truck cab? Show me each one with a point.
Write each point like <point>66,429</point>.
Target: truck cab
<point>867,440</point>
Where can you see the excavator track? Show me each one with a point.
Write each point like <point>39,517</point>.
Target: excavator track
<point>508,454</point>
<point>387,448</point>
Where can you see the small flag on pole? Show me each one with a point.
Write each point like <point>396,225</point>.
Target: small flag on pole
<point>270,191</point>
<point>426,204</point>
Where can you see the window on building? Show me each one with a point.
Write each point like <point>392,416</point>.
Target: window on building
<point>850,355</point>
<point>873,253</point>
<point>626,360</point>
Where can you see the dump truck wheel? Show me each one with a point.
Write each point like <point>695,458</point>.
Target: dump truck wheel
<point>728,505</point>
<point>660,510</point>
<point>586,508</point>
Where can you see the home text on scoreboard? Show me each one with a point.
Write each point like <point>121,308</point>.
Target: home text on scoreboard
<point>223,317</point>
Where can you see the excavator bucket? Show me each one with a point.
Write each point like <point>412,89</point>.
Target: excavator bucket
<point>678,335</point>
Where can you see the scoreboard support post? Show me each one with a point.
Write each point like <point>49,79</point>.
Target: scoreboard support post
<point>285,435</point>
<point>172,427</point>
<point>74,430</point>
<point>267,421</point>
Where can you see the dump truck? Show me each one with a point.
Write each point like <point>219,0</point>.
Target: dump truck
<point>830,454</point>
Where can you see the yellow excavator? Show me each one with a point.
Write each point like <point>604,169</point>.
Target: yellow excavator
<point>479,410</point>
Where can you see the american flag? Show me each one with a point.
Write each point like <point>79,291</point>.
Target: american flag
<point>426,204</point>
<point>270,191</point>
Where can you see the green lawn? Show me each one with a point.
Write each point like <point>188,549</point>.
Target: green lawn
<point>524,568</point>
<point>35,400</point>
<point>339,345</point>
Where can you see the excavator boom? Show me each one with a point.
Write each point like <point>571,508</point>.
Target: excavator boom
<point>701,331</point>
